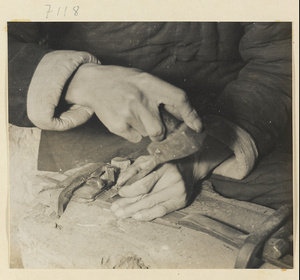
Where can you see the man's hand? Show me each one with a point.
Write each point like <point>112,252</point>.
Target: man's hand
<point>168,188</point>
<point>157,194</point>
<point>126,100</point>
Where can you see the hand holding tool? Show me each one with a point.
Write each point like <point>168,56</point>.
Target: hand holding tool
<point>181,141</point>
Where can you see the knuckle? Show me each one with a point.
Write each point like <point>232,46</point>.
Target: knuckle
<point>133,95</point>
<point>182,96</point>
<point>143,80</point>
<point>151,202</point>
<point>143,77</point>
<point>163,210</point>
<point>190,113</point>
<point>134,169</point>
<point>157,131</point>
<point>182,201</point>
<point>125,114</point>
<point>118,128</point>
<point>133,137</point>
<point>180,190</point>
<point>144,188</point>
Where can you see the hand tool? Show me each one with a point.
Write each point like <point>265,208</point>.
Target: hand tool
<point>254,243</point>
<point>103,175</point>
<point>181,141</point>
<point>254,247</point>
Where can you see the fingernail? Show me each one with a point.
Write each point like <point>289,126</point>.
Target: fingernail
<point>197,125</point>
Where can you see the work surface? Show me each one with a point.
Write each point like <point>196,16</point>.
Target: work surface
<point>90,236</point>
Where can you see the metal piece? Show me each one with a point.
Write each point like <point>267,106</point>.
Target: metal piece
<point>120,162</point>
<point>181,141</point>
<point>99,171</point>
<point>179,144</point>
<point>249,253</point>
<point>215,228</point>
<point>285,262</point>
<point>279,244</point>
<point>255,247</point>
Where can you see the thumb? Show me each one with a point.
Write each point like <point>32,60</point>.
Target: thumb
<point>182,108</point>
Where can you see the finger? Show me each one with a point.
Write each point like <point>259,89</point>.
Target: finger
<point>171,95</point>
<point>126,131</point>
<point>127,174</point>
<point>131,135</point>
<point>142,186</point>
<point>170,174</point>
<point>147,202</point>
<point>159,210</point>
<point>152,123</point>
<point>182,108</point>
<point>137,166</point>
<point>142,159</point>
<point>136,123</point>
<point>172,110</point>
<point>124,202</point>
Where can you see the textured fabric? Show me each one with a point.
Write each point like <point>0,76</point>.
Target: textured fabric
<point>269,184</point>
<point>251,61</point>
<point>238,72</point>
<point>260,99</point>
<point>46,87</point>
<point>239,141</point>
<point>200,58</point>
<point>23,59</point>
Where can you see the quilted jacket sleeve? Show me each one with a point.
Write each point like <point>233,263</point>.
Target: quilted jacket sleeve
<point>260,99</point>
<point>37,78</point>
<point>251,114</point>
<point>254,110</point>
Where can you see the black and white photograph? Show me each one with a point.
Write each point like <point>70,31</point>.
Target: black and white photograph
<point>149,139</point>
<point>142,145</point>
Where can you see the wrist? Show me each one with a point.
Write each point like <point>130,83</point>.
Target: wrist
<point>199,165</point>
<point>212,154</point>
<point>79,86</point>
<point>187,167</point>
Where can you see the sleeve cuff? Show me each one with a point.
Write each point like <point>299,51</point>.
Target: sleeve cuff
<point>239,141</point>
<point>47,83</point>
